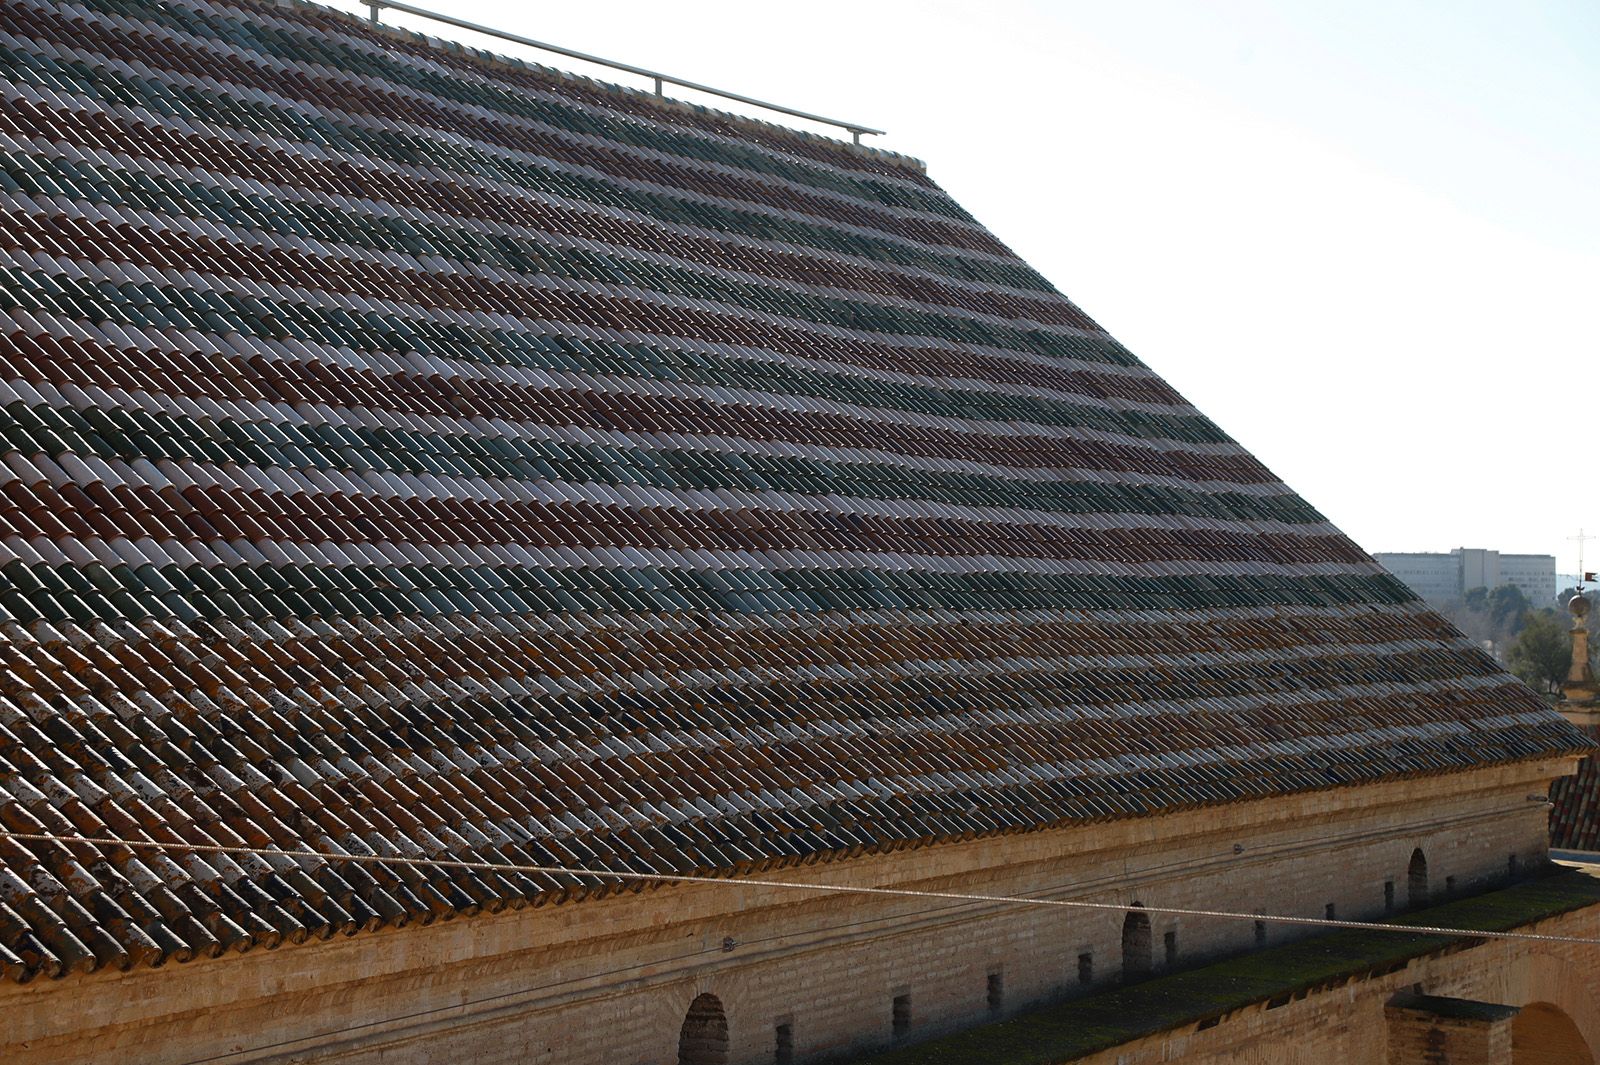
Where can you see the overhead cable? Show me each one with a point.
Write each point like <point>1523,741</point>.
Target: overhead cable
<point>797,885</point>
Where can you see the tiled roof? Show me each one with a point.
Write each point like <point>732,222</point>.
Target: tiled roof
<point>413,455</point>
<point>1575,816</point>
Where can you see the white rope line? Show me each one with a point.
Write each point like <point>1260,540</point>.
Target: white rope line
<point>679,878</point>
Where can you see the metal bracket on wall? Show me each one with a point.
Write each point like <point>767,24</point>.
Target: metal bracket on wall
<point>856,130</point>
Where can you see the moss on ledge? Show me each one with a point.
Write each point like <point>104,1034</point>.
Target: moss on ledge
<point>1055,1034</point>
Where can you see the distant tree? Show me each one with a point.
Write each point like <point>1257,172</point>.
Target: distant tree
<point>1491,617</point>
<point>1507,608</point>
<point>1542,653</point>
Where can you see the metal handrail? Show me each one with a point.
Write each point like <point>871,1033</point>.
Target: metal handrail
<point>661,80</point>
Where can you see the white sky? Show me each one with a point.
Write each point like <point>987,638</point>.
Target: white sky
<point>1363,237</point>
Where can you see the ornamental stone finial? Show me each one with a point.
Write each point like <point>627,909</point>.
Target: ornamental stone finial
<point>1580,686</point>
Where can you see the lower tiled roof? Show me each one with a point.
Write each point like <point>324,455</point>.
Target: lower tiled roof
<point>1575,812</point>
<point>412,455</point>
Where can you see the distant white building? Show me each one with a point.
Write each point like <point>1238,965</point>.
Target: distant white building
<point>1443,578</point>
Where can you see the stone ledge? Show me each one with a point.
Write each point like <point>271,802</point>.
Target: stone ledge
<point>1458,1009</point>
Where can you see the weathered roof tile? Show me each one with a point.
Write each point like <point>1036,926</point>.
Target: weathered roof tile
<point>407,456</point>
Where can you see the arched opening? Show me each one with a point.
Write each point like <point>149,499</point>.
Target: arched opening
<point>1417,879</point>
<point>704,1037</point>
<point>1135,946</point>
<point>1541,1034</point>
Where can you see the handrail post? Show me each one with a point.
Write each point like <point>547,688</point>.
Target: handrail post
<point>660,79</point>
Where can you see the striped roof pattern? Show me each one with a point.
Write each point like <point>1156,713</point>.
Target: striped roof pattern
<point>1575,804</point>
<point>409,454</point>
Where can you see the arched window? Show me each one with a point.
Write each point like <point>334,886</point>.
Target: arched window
<point>1135,945</point>
<point>1417,879</point>
<point>704,1037</point>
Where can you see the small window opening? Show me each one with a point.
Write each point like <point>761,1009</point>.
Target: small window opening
<point>1449,887</point>
<point>1388,896</point>
<point>997,992</point>
<point>1261,933</point>
<point>783,1044</point>
<point>902,1015</point>
<point>1330,911</point>
<point>1086,968</point>
<point>1169,943</point>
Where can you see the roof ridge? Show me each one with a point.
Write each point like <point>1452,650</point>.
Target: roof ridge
<point>491,58</point>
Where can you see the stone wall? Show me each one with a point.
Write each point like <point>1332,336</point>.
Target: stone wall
<point>611,981</point>
<point>1367,1023</point>
<point>1428,1028</point>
